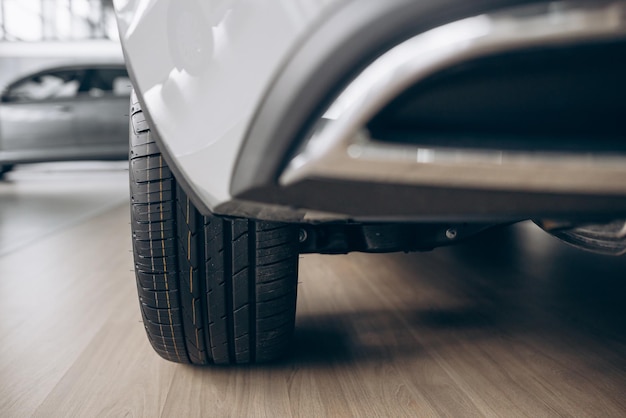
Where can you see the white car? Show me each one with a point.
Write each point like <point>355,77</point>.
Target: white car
<point>262,129</point>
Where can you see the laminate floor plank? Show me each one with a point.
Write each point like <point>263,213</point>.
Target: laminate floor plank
<point>54,297</point>
<point>113,377</point>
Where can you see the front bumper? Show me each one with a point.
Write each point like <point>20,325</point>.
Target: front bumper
<point>294,159</point>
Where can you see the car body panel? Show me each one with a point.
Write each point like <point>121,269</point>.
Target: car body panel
<point>99,121</point>
<point>237,91</point>
<point>37,125</point>
<point>203,88</point>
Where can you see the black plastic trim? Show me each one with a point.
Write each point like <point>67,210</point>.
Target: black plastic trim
<point>336,51</point>
<point>368,201</point>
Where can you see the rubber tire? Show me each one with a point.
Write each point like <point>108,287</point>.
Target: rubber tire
<point>211,289</point>
<point>5,169</point>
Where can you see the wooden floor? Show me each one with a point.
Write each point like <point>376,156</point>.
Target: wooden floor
<point>511,324</point>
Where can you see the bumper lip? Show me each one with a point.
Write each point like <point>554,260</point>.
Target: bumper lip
<point>366,201</point>
<point>339,148</point>
<point>362,159</point>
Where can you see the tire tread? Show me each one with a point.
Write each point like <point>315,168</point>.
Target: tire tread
<point>211,290</point>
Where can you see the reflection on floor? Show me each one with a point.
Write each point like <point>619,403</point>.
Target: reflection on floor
<point>38,199</point>
<point>513,323</point>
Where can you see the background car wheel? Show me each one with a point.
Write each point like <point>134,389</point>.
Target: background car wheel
<point>5,168</point>
<point>211,290</point>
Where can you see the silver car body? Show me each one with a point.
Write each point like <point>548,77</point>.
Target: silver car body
<point>206,72</point>
<point>207,75</point>
<point>66,113</point>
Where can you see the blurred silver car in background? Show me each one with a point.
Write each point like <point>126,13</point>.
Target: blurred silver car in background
<point>76,112</point>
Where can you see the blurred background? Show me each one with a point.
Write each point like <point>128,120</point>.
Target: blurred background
<point>34,33</point>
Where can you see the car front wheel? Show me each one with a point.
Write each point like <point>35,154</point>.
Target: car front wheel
<point>211,289</point>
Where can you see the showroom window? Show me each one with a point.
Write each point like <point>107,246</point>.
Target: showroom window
<point>56,20</point>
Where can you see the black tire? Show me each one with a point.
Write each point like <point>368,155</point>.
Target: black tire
<point>5,168</point>
<point>211,289</point>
